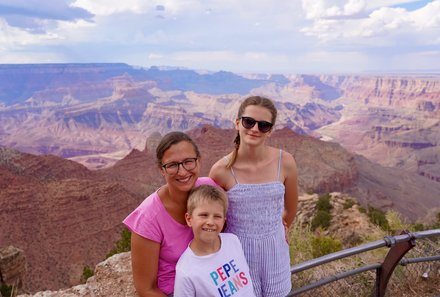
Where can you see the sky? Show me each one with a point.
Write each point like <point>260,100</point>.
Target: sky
<point>241,36</point>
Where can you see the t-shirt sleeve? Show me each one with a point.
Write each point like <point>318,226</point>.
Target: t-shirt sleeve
<point>206,181</point>
<point>183,286</point>
<point>143,222</point>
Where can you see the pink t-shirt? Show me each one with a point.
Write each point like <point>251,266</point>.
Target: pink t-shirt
<point>151,220</point>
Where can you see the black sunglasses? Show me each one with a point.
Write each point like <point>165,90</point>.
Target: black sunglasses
<point>249,122</point>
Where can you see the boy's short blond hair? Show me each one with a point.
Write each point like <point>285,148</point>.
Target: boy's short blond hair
<point>206,193</point>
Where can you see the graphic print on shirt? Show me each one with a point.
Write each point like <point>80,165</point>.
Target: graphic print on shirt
<point>229,279</point>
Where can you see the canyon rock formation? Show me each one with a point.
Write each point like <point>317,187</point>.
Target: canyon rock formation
<point>109,117</point>
<point>97,113</point>
<point>67,216</point>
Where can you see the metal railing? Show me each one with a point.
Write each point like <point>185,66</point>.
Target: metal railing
<point>399,245</point>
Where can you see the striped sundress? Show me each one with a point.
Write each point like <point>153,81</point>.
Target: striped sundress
<point>255,216</point>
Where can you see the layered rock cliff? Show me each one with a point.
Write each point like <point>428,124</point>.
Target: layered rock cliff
<point>416,93</point>
<point>60,214</point>
<point>111,108</point>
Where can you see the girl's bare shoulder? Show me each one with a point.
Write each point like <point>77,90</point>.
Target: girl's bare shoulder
<point>289,162</point>
<point>220,166</point>
<point>221,174</point>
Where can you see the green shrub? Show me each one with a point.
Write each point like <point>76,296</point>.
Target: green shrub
<point>323,245</point>
<point>5,290</point>
<point>395,221</point>
<point>87,272</point>
<point>348,203</point>
<point>436,224</point>
<point>362,210</point>
<point>324,203</point>
<point>122,245</point>
<point>321,219</point>
<point>378,218</point>
<point>418,227</point>
<point>299,242</point>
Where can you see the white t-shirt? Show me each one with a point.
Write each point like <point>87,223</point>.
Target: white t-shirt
<point>222,274</point>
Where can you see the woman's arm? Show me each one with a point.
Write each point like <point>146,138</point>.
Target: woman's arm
<point>144,262</point>
<point>291,194</point>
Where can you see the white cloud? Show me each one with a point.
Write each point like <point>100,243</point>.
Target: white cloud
<point>384,22</point>
<point>245,35</point>
<point>374,4</point>
<point>153,56</point>
<point>109,7</point>
<point>316,9</point>
<point>427,17</point>
<point>12,37</point>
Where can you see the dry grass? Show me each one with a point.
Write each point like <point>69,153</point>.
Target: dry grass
<point>405,281</point>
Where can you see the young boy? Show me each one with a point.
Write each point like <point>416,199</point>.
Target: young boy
<point>214,263</point>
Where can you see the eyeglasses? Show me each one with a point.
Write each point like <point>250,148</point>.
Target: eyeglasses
<point>173,167</point>
<point>249,123</point>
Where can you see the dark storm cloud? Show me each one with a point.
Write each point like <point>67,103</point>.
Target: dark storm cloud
<point>160,8</point>
<point>30,14</point>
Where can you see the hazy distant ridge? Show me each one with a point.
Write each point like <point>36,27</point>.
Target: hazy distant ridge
<point>18,82</point>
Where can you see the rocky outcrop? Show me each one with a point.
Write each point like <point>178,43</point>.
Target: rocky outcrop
<point>12,267</point>
<point>347,224</point>
<point>112,278</point>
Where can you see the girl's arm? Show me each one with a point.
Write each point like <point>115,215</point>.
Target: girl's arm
<point>291,194</point>
<point>144,262</point>
<point>219,174</point>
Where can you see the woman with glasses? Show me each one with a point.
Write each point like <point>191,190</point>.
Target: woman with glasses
<point>261,182</point>
<point>159,230</point>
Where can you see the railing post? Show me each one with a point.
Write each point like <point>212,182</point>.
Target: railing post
<point>395,254</point>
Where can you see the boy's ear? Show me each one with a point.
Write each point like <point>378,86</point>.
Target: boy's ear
<point>224,226</point>
<point>188,219</point>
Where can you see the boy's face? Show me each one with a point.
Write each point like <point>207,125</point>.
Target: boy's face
<point>207,220</point>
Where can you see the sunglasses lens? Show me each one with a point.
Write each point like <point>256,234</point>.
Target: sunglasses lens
<point>248,123</point>
<point>264,127</point>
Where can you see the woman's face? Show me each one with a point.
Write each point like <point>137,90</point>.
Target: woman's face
<point>253,136</point>
<point>181,155</point>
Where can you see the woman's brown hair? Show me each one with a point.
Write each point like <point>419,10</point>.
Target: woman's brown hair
<point>253,100</point>
<point>170,139</point>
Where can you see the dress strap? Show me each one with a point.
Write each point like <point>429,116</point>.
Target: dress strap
<point>233,174</point>
<point>232,170</point>
<point>279,164</point>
